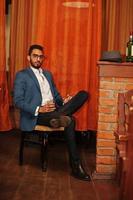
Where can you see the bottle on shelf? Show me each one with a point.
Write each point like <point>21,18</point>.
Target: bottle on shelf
<point>129,49</point>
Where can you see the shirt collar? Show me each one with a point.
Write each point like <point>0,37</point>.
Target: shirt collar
<point>36,70</point>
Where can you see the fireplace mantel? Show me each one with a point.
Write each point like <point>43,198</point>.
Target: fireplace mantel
<point>108,69</point>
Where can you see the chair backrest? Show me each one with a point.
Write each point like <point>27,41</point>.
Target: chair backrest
<point>125,105</point>
<point>128,191</point>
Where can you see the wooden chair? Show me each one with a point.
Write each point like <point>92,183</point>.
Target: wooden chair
<point>42,133</point>
<point>127,191</point>
<point>125,105</point>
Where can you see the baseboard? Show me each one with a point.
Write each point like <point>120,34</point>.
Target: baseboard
<point>104,176</point>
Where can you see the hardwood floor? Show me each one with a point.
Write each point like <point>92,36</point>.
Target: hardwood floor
<point>30,183</point>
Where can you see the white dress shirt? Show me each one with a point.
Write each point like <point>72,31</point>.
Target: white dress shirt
<point>44,87</point>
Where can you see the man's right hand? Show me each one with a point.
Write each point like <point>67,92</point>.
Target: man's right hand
<point>49,107</point>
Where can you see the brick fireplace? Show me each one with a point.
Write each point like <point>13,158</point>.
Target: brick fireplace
<point>113,79</point>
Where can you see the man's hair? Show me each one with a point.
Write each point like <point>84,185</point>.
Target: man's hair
<point>35,46</point>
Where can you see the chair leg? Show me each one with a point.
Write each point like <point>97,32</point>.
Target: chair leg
<point>44,157</point>
<point>21,148</point>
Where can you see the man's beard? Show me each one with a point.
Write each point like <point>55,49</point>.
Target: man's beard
<point>36,64</point>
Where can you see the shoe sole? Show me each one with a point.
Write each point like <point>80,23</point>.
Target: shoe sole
<point>80,178</point>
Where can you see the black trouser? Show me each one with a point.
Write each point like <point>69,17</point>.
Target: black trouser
<point>67,109</point>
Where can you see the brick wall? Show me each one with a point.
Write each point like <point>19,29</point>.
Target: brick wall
<point>109,87</point>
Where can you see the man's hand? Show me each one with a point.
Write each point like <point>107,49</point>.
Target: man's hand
<point>49,107</point>
<point>67,98</point>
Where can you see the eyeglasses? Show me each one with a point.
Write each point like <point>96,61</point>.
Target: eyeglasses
<point>36,56</point>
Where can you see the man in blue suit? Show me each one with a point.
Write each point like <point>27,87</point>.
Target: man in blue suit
<point>39,101</point>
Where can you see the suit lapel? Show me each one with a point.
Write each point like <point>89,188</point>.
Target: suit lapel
<point>32,75</point>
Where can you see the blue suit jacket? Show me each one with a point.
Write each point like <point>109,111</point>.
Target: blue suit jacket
<point>27,96</point>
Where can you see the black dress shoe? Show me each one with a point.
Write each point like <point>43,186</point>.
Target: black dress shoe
<point>63,121</point>
<point>79,172</point>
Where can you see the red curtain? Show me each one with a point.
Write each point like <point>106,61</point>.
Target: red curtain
<point>71,36</point>
<point>22,25</point>
<point>5,123</point>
